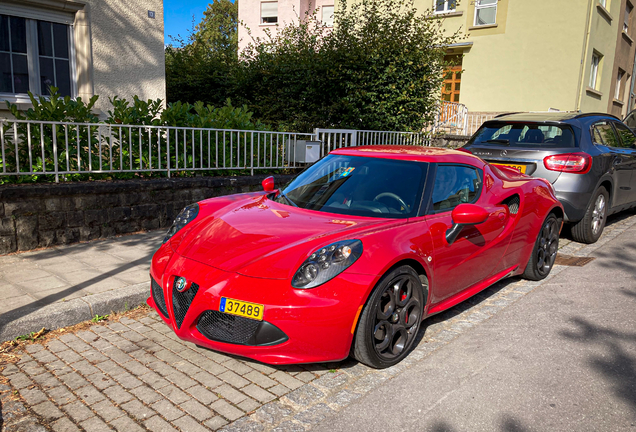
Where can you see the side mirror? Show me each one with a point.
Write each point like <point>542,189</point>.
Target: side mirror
<point>465,214</point>
<point>268,184</point>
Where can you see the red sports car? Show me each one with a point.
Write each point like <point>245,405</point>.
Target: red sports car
<point>351,255</point>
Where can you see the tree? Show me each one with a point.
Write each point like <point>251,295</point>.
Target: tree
<point>380,67</point>
<point>202,69</point>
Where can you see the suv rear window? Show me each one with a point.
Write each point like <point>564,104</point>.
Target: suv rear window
<point>531,135</point>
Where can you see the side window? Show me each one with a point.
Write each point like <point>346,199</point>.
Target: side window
<point>627,137</point>
<point>606,133</point>
<point>454,185</point>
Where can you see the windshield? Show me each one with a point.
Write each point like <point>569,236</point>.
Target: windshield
<point>531,135</point>
<point>358,186</point>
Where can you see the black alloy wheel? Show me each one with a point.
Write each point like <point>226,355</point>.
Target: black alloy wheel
<point>545,250</point>
<point>391,318</point>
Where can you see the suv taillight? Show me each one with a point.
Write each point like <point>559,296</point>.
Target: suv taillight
<point>579,163</point>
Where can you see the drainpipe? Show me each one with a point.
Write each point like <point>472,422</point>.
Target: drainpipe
<point>630,103</point>
<point>586,47</point>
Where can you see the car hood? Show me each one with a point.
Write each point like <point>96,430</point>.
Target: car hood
<point>261,238</point>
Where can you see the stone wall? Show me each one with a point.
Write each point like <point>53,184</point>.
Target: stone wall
<point>35,216</point>
<point>450,141</point>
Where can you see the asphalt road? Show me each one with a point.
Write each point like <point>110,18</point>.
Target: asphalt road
<point>563,358</point>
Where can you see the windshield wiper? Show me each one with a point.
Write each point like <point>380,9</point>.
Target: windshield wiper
<point>288,200</point>
<point>499,141</point>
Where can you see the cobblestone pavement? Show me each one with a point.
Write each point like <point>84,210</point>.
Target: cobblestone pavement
<point>135,375</point>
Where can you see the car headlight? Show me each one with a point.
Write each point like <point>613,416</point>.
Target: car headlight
<point>186,216</point>
<point>326,263</point>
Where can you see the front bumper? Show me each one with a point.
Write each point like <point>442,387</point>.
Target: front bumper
<point>299,326</point>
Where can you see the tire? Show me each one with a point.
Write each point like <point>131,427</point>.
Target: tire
<point>545,250</point>
<point>388,327</point>
<point>589,229</point>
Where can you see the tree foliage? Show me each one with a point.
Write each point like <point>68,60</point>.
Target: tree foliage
<point>380,67</point>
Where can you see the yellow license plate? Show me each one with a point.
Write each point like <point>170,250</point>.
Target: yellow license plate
<point>520,168</point>
<point>241,308</point>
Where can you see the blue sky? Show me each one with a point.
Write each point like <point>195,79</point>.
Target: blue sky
<point>178,16</point>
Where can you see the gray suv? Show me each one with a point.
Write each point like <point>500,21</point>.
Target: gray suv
<point>590,159</point>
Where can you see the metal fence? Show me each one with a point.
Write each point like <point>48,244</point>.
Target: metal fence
<point>332,139</point>
<point>57,148</point>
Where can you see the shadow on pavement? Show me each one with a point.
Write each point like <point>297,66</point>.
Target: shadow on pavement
<point>617,366</point>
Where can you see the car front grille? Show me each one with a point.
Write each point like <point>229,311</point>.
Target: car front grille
<point>158,297</point>
<point>181,302</point>
<point>222,327</point>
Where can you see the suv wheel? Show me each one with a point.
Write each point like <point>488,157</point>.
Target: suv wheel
<point>589,229</point>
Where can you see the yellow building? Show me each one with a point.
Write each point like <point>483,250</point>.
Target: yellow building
<point>537,55</point>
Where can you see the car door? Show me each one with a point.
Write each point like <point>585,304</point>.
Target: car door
<point>475,253</point>
<point>628,144</point>
<point>622,160</point>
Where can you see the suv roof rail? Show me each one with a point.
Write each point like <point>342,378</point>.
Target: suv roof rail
<point>508,113</point>
<point>594,114</point>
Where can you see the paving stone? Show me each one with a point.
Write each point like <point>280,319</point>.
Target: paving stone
<point>203,395</point>
<point>154,380</point>
<point>33,348</point>
<point>100,381</point>
<point>168,356</point>
<point>69,356</point>
<point>102,345</point>
<point>161,368</point>
<point>273,413</point>
<point>249,405</point>
<point>367,382</point>
<point>174,394</point>
<point>87,336</point>
<point>64,425</point>
<point>233,379</point>
<point>128,381</point>
<point>143,357</point>
<point>61,395</point>
<point>237,366</point>
<point>289,426</point>
<point>145,394</point>
<point>305,395</point>
<point>118,394</point>
<point>215,423</point>
<point>13,411</point>
<point>245,424</point>
<point>47,381</point>
<point>93,356</point>
<point>107,410</point>
<point>331,380</point>
<point>286,380</point>
<point>133,336</point>
<point>181,380</point>
<point>211,366</point>
<point>85,368</point>
<point>263,368</point>
<point>47,410</point>
<point>196,410</point>
<point>259,379</point>
<point>111,368</point>
<point>279,390</point>
<point>187,368</point>
<point>33,396</point>
<point>230,393</point>
<point>32,368</point>
<point>157,424</point>
<point>125,424</point>
<point>138,410</point>
<point>59,367</point>
<point>117,355</point>
<point>89,394</point>
<point>226,410</point>
<point>305,376</point>
<point>167,410</point>
<point>10,369</point>
<point>187,423</point>
<point>136,368</point>
<point>78,411</point>
<point>315,414</point>
<point>207,379</point>
<point>94,424</point>
<point>258,393</point>
<point>20,381</point>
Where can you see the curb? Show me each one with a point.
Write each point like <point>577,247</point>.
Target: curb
<point>62,314</point>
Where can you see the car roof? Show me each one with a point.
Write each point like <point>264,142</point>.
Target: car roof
<point>414,153</point>
<point>549,116</point>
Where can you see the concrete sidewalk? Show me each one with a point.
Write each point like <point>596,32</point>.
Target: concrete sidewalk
<point>65,285</point>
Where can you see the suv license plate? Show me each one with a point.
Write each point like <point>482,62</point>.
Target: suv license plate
<point>241,308</point>
<point>520,168</point>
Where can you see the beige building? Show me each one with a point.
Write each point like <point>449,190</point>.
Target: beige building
<point>83,47</point>
<point>537,55</point>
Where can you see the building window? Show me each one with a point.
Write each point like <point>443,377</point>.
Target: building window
<point>596,61</point>
<point>327,16</point>
<point>603,3</point>
<point>485,12</point>
<point>628,11</point>
<point>34,56</point>
<point>269,12</point>
<point>618,94</point>
<point>444,6</point>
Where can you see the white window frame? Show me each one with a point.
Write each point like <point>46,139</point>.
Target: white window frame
<point>596,61</point>
<point>269,16</point>
<point>619,80</point>
<point>479,6</point>
<point>328,22</point>
<point>447,7</point>
<point>33,58</point>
